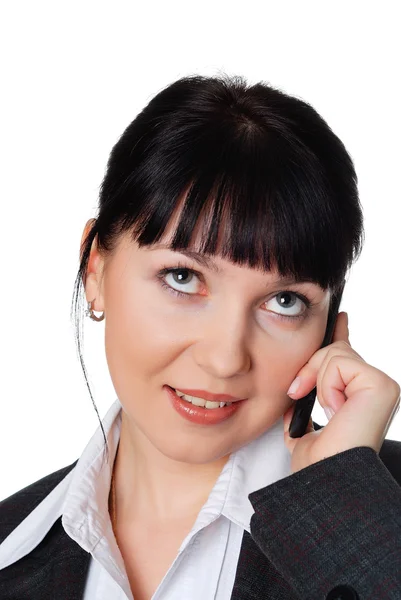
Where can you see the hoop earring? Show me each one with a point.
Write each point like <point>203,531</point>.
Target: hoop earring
<point>89,313</point>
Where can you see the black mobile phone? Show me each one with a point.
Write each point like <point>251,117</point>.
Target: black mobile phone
<point>304,406</point>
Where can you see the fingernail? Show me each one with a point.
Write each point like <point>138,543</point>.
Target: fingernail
<point>329,412</point>
<point>294,386</point>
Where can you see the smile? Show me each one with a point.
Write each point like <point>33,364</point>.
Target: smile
<point>200,401</point>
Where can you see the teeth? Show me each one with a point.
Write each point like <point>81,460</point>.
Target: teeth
<point>201,402</point>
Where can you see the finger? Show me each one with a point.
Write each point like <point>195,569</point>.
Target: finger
<point>341,331</point>
<point>310,374</point>
<point>334,384</point>
<point>363,396</point>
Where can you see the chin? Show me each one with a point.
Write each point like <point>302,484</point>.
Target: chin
<point>194,453</point>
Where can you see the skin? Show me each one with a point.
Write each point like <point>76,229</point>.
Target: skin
<point>226,337</point>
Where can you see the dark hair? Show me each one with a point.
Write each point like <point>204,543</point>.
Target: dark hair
<point>265,162</point>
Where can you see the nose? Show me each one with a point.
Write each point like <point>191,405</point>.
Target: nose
<point>222,347</point>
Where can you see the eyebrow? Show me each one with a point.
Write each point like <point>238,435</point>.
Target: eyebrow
<point>205,261</point>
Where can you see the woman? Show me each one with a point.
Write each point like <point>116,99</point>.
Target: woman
<point>228,218</point>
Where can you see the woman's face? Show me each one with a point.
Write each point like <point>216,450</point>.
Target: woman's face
<point>228,334</point>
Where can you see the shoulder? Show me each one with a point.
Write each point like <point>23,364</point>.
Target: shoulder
<point>18,506</point>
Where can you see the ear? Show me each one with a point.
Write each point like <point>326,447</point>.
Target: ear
<point>94,271</point>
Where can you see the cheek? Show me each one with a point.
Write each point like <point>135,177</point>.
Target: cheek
<point>277,369</point>
<point>274,371</point>
<point>140,338</point>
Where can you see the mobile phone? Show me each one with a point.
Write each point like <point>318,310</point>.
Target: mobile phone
<point>304,406</point>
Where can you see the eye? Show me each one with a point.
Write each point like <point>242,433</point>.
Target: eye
<point>180,281</point>
<point>289,305</point>
<point>184,282</point>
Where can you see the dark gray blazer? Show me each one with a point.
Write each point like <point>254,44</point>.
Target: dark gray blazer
<point>331,531</point>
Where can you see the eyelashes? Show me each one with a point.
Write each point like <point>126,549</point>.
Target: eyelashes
<point>179,268</point>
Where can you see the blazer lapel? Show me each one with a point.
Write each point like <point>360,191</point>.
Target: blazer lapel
<point>56,568</point>
<point>256,577</point>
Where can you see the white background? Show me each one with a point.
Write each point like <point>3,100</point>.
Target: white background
<point>73,75</point>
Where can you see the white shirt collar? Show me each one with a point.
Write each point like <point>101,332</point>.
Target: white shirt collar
<point>254,466</point>
<point>85,492</point>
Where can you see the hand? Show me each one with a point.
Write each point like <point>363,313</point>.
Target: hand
<point>363,399</point>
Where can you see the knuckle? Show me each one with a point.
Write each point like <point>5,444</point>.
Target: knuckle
<point>392,387</point>
<point>343,344</point>
<point>336,358</point>
<point>341,347</point>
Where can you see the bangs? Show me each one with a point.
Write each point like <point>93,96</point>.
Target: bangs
<point>256,175</point>
<point>263,210</point>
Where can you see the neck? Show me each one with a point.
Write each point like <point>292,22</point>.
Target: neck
<point>149,484</point>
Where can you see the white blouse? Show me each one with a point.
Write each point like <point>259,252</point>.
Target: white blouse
<point>206,562</point>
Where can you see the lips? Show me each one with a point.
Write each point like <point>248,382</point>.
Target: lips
<point>199,415</point>
<point>208,396</point>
